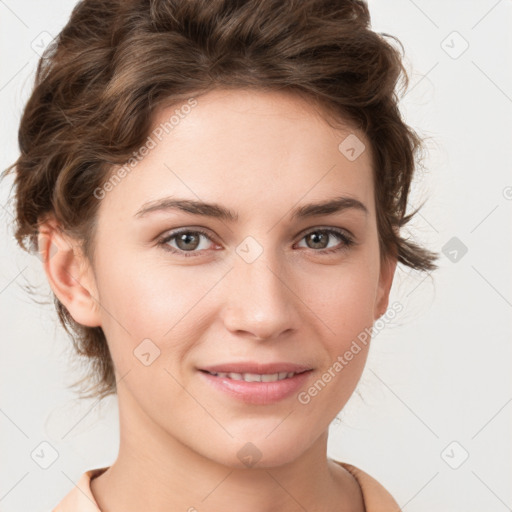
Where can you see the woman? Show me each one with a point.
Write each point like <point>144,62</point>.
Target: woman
<point>216,189</point>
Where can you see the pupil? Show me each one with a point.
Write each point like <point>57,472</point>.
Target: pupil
<point>317,236</point>
<point>186,239</point>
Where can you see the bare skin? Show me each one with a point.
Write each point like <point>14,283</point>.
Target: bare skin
<point>261,155</point>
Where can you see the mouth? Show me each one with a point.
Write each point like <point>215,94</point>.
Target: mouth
<point>255,377</point>
<point>256,384</point>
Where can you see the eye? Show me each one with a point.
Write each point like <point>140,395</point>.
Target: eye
<point>187,241</point>
<point>319,238</point>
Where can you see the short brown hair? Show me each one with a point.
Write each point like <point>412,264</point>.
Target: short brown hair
<point>100,82</point>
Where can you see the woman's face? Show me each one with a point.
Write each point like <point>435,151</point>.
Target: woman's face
<point>259,288</point>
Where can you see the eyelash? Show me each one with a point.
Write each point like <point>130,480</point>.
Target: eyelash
<point>341,235</point>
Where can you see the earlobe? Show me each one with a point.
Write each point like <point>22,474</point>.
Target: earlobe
<point>69,274</point>
<point>387,273</point>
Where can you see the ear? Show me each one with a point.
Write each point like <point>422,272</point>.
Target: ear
<point>69,273</point>
<point>387,273</point>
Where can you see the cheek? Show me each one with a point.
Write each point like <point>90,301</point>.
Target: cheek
<point>343,297</point>
<point>349,317</point>
<point>345,308</point>
<point>147,300</point>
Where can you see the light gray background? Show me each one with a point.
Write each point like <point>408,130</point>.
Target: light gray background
<point>437,386</point>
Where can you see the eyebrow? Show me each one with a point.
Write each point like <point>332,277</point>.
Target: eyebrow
<point>328,207</point>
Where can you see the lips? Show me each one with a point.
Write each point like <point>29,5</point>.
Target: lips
<point>257,383</point>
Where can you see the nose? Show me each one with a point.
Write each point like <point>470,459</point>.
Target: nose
<point>260,301</point>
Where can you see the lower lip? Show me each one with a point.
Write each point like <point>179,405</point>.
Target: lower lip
<point>258,393</point>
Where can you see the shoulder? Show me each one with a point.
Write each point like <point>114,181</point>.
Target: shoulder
<point>376,497</point>
<point>80,498</point>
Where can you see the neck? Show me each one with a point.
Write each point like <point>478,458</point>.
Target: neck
<point>155,471</point>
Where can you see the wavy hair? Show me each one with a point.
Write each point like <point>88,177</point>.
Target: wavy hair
<point>100,82</point>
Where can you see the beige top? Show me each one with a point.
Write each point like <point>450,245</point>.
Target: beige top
<point>376,498</point>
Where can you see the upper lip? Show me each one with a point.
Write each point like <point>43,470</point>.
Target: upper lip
<point>257,368</point>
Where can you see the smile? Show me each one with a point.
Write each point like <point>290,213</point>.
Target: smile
<point>255,377</point>
<point>256,388</point>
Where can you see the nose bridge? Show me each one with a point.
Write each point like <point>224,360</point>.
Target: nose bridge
<point>259,300</point>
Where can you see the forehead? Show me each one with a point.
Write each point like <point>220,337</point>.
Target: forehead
<point>246,149</point>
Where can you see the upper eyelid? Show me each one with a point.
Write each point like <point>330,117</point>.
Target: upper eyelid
<point>327,228</point>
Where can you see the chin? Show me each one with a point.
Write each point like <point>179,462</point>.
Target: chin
<point>261,452</point>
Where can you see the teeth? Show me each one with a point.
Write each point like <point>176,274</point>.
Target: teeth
<point>255,377</point>
<point>248,377</point>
